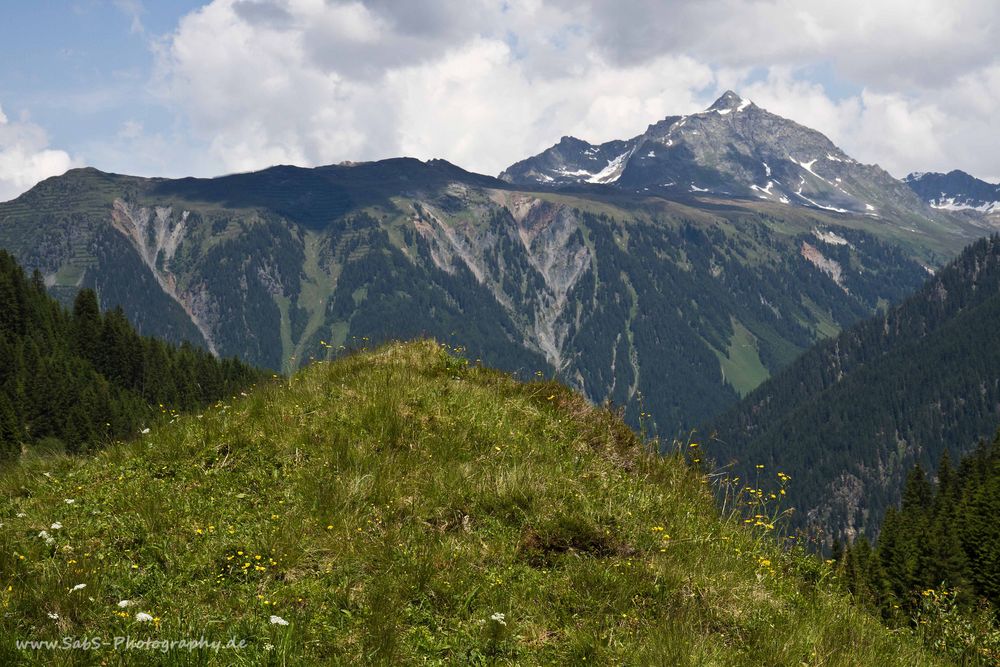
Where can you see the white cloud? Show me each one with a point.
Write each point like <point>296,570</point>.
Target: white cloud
<point>917,43</point>
<point>263,92</point>
<point>25,157</point>
<point>953,128</point>
<point>260,82</point>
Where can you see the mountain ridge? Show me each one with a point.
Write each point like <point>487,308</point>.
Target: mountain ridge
<point>956,191</point>
<point>733,148</point>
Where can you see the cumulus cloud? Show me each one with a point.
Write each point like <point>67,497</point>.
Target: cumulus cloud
<point>328,82</point>
<point>917,43</point>
<point>484,83</point>
<point>25,157</point>
<point>953,127</point>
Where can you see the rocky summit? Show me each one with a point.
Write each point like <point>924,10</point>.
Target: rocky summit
<point>734,148</point>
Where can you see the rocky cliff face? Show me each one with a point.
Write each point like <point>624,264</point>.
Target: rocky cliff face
<point>156,233</point>
<point>551,257</point>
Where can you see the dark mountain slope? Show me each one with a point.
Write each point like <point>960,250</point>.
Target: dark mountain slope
<point>850,416</point>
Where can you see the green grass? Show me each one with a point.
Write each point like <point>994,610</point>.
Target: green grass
<point>389,506</point>
<point>741,365</point>
<point>826,327</point>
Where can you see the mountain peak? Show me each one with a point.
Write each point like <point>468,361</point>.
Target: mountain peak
<point>730,100</point>
<point>733,148</point>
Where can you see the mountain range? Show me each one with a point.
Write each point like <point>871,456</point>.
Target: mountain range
<point>957,191</point>
<point>735,149</point>
<point>672,300</point>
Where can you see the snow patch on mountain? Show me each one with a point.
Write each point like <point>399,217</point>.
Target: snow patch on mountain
<point>955,204</point>
<point>818,205</point>
<point>833,238</point>
<point>575,172</point>
<point>612,172</point>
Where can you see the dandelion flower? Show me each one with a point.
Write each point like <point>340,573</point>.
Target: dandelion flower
<point>78,587</point>
<point>143,617</point>
<point>277,620</point>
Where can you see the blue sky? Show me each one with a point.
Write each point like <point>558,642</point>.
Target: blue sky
<point>81,69</point>
<point>183,87</point>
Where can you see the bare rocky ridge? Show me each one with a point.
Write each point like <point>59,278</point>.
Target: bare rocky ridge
<point>156,234</point>
<point>549,238</point>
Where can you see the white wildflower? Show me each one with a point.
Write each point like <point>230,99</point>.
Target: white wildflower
<point>144,431</point>
<point>44,534</point>
<point>143,617</point>
<point>124,603</point>
<point>54,616</point>
<point>277,620</point>
<point>56,526</point>
<point>21,515</point>
<point>268,647</point>
<point>78,587</point>
<point>69,501</point>
<point>47,474</point>
<point>499,617</point>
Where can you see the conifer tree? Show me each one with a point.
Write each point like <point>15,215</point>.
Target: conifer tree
<point>87,325</point>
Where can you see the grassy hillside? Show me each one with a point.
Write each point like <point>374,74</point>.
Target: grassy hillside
<point>402,507</point>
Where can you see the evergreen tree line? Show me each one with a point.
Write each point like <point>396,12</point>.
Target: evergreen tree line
<point>943,536</point>
<point>77,379</point>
